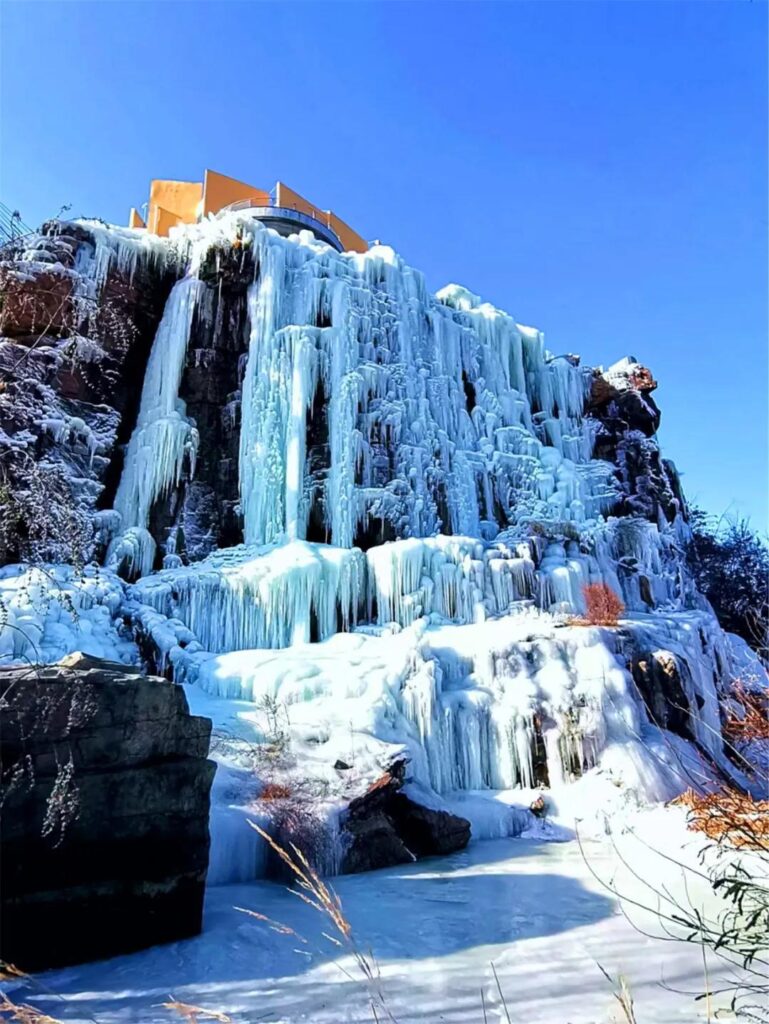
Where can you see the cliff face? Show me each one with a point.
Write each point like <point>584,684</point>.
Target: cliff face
<point>77,320</point>
<point>105,813</point>
<point>373,412</point>
<point>306,480</point>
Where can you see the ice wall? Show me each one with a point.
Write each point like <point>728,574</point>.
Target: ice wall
<point>437,414</point>
<point>164,442</point>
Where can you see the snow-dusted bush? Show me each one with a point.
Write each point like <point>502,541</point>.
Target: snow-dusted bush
<point>730,564</point>
<point>41,519</point>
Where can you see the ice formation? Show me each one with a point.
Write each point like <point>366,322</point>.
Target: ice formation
<point>164,438</point>
<point>420,510</point>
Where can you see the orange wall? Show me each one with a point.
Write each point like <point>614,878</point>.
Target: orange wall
<point>134,219</point>
<point>219,191</point>
<point>293,201</point>
<point>351,240</point>
<point>182,202</point>
<point>173,202</point>
<point>164,220</point>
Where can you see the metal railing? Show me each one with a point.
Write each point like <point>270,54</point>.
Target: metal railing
<point>322,221</point>
<point>12,227</point>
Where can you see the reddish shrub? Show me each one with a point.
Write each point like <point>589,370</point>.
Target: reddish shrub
<point>603,606</point>
<point>728,815</point>
<point>275,791</point>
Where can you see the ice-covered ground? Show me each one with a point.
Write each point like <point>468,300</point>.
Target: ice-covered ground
<point>532,908</point>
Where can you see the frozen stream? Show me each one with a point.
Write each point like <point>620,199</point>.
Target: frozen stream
<point>531,907</point>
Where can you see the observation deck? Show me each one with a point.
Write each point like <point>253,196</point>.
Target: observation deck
<point>287,221</point>
<point>188,202</point>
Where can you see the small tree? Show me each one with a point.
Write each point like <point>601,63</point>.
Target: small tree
<point>603,606</point>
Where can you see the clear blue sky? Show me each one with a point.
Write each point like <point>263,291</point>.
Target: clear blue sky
<point>597,169</point>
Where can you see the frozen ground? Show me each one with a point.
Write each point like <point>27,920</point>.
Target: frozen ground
<point>531,907</point>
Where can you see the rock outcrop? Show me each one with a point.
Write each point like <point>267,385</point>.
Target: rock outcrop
<point>106,788</point>
<point>621,401</point>
<point>657,675</point>
<point>76,326</point>
<point>384,827</point>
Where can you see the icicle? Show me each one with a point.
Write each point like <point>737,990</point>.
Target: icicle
<point>245,597</point>
<point>163,438</point>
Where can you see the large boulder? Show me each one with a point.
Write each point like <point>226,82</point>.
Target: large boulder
<point>385,826</point>
<point>106,787</point>
<point>427,831</point>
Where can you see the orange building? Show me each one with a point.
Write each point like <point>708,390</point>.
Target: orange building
<point>186,202</point>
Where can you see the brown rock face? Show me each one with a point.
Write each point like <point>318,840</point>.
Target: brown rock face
<point>106,788</point>
<point>385,827</point>
<point>38,299</point>
<point>73,351</point>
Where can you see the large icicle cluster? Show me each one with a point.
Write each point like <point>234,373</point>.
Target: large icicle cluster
<point>164,439</point>
<point>256,597</point>
<point>437,414</point>
<point>442,414</point>
<point>443,459</point>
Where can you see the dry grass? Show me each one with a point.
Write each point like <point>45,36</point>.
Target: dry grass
<point>753,721</point>
<point>22,1013</point>
<point>312,890</point>
<point>621,992</point>
<point>728,815</point>
<point>194,1014</point>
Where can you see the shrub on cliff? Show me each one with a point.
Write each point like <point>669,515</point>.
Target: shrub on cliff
<point>41,519</point>
<point>730,565</point>
<point>602,606</point>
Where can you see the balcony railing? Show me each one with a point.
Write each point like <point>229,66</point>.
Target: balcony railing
<point>319,224</point>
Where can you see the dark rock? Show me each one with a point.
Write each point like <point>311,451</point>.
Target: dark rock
<point>105,816</point>
<point>342,766</point>
<point>425,831</point>
<point>657,675</point>
<point>538,807</point>
<point>633,410</point>
<point>620,400</point>
<point>384,826</point>
<point>373,843</point>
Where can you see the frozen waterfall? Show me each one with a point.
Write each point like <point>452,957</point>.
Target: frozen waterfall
<point>420,512</point>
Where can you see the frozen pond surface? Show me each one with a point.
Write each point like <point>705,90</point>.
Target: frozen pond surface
<point>532,907</point>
